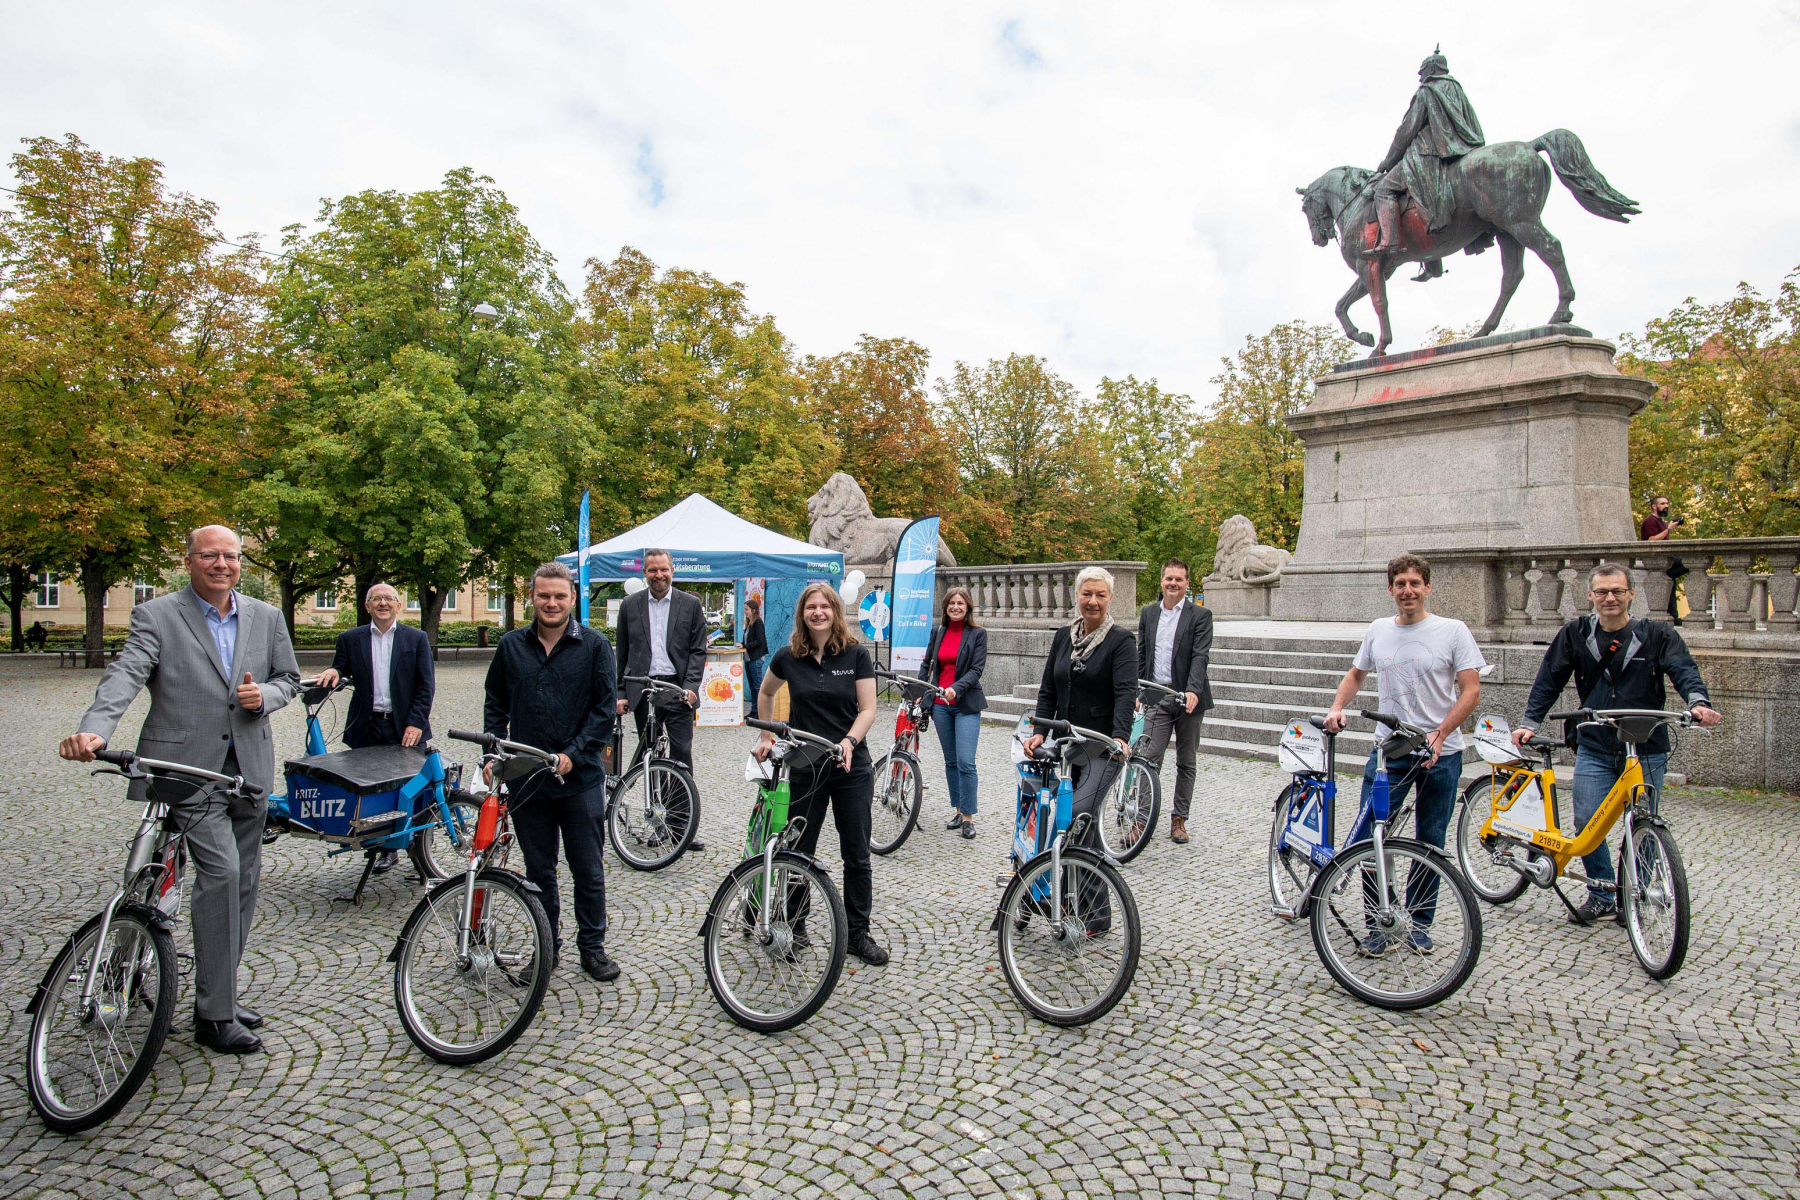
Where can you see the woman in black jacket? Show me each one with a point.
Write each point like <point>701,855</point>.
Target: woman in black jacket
<point>955,660</point>
<point>756,648</point>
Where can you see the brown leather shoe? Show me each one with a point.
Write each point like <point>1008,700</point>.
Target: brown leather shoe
<point>1178,831</point>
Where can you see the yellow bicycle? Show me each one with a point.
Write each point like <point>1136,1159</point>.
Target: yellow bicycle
<point>1508,836</point>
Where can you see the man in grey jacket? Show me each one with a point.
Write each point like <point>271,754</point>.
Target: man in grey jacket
<point>217,664</point>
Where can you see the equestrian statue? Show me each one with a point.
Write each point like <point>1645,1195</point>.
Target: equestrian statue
<point>1441,189</point>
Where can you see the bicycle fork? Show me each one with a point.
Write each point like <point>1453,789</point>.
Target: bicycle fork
<point>770,846</point>
<point>143,848</point>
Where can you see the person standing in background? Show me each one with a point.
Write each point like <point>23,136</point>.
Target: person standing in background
<point>1657,527</point>
<point>662,634</point>
<point>1174,644</point>
<point>955,660</point>
<point>756,648</point>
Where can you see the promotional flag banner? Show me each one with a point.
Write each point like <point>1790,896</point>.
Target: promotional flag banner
<point>581,541</point>
<point>915,586</point>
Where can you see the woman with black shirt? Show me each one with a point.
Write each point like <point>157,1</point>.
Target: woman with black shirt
<point>756,645</point>
<point>831,694</point>
<point>1090,680</point>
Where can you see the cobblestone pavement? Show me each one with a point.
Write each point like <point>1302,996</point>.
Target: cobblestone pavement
<point>1234,1067</point>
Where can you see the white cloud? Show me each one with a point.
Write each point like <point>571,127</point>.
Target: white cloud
<point>1109,186</point>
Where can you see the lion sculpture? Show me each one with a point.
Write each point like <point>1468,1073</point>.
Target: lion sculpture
<point>1240,560</point>
<point>843,521</point>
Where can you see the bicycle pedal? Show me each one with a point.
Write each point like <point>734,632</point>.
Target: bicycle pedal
<point>184,964</point>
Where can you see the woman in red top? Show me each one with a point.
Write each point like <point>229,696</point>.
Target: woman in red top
<point>955,660</point>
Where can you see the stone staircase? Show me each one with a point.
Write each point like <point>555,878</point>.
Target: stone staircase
<point>1259,681</point>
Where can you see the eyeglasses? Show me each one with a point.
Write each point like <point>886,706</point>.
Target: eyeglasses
<point>1603,593</point>
<point>216,556</point>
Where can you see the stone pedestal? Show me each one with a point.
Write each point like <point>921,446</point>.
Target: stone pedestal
<point>1513,440</point>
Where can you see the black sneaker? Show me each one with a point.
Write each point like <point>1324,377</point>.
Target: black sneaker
<point>864,947</point>
<point>596,963</point>
<point>1595,910</point>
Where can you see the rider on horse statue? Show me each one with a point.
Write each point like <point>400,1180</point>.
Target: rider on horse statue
<point>1440,127</point>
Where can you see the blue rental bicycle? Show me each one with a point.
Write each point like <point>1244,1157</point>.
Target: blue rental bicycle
<point>374,799</point>
<point>1392,920</point>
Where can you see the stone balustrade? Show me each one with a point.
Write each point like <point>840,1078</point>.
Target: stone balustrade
<point>1039,595</point>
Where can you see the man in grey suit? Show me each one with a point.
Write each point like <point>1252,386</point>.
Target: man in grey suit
<point>1174,642</point>
<point>202,652</point>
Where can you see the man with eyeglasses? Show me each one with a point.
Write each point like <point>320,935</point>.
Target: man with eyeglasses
<point>1617,663</point>
<point>201,652</point>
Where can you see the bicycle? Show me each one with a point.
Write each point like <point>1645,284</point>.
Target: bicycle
<point>373,799</point>
<point>767,968</point>
<point>899,781</point>
<point>1129,811</point>
<point>652,809</point>
<point>1508,836</point>
<point>473,961</point>
<point>102,1011</point>
<point>1067,922</point>
<point>1377,905</point>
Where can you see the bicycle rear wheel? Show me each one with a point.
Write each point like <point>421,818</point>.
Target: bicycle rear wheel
<point>1426,947</point>
<point>82,1065</point>
<point>434,855</point>
<point>1075,968</point>
<point>652,817</point>
<point>1128,811</point>
<point>1494,882</point>
<point>899,792</point>
<point>462,1009</point>
<point>1291,868</point>
<point>775,984</point>
<point>1656,910</point>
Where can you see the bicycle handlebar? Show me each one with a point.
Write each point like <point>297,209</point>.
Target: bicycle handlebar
<point>786,732</point>
<point>126,760</point>
<point>1074,731</point>
<point>118,758</point>
<point>1155,686</point>
<point>654,684</point>
<point>490,744</point>
<point>1392,722</point>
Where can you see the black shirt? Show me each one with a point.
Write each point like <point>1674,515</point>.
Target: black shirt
<point>822,695</point>
<point>756,642</point>
<point>562,702</point>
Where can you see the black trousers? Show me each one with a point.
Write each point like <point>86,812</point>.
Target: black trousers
<point>1089,778</point>
<point>578,818</point>
<point>383,730</point>
<point>677,718</point>
<point>851,796</point>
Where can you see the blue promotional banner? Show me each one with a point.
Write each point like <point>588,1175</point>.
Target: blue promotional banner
<point>915,586</point>
<point>581,541</point>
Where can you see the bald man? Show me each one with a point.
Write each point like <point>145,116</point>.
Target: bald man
<point>217,665</point>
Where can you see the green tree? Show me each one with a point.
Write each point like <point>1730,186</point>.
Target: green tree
<point>1245,459</point>
<point>1147,433</point>
<point>1721,437</point>
<point>428,445</point>
<point>694,393</point>
<point>130,343</point>
<point>873,403</point>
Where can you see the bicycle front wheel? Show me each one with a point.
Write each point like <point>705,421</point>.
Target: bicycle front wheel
<point>1494,882</point>
<point>1410,952</point>
<point>1069,967</point>
<point>1291,868</point>
<point>771,974</point>
<point>898,794</point>
<point>652,818</point>
<point>1129,809</point>
<point>83,1063</point>
<point>434,853</point>
<point>465,1005</point>
<point>1656,910</point>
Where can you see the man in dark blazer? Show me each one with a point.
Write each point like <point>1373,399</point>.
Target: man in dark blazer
<point>390,664</point>
<point>662,634</point>
<point>1174,642</point>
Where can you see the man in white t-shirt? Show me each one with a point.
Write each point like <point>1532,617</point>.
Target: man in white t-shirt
<point>1427,673</point>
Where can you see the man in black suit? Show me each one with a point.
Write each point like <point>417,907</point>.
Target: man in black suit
<point>662,634</point>
<point>390,664</point>
<point>1174,642</point>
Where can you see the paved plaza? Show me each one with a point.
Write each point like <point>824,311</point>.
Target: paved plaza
<point>1235,1067</point>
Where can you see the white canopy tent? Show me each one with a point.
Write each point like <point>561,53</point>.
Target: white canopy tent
<point>708,542</point>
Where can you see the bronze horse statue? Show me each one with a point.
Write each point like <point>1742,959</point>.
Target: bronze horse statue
<point>1500,192</point>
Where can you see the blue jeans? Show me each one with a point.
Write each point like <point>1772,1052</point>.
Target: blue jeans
<point>753,675</point>
<point>957,733</point>
<point>1437,803</point>
<point>1595,773</point>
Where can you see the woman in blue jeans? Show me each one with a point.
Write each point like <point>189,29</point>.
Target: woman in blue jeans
<point>955,660</point>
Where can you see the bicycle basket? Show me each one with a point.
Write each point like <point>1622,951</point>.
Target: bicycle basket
<point>1301,750</point>
<point>1493,741</point>
<point>355,793</point>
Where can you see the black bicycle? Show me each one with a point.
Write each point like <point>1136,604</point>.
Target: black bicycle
<point>652,809</point>
<point>102,1011</point>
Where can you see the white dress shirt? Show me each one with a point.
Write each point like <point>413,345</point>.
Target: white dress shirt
<point>1168,620</point>
<point>381,666</point>
<point>659,634</point>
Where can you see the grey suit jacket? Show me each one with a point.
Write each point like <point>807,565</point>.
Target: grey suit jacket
<point>194,715</point>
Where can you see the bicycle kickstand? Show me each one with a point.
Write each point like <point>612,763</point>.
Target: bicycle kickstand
<point>1574,913</point>
<point>355,899</point>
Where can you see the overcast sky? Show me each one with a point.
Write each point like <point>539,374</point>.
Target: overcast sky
<point>1110,186</point>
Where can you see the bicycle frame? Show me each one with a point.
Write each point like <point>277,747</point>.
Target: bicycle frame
<point>1542,831</point>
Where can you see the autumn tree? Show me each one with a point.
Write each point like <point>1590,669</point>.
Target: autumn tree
<point>1148,433</point>
<point>1721,437</point>
<point>1245,459</point>
<point>129,346</point>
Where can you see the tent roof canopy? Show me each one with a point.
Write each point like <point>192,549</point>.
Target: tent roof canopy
<point>709,542</point>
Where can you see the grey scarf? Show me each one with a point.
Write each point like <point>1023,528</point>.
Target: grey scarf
<point>1081,645</point>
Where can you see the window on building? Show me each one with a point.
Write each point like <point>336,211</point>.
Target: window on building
<point>142,589</point>
<point>49,591</point>
<point>496,596</point>
<point>450,601</point>
<point>412,602</point>
<point>325,599</point>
